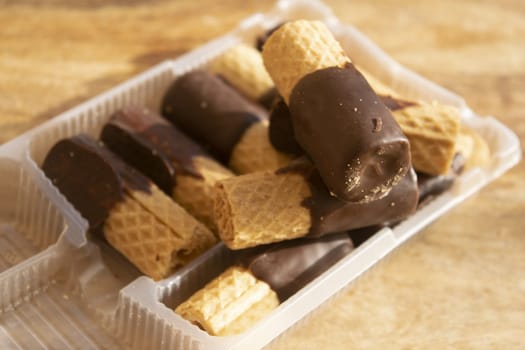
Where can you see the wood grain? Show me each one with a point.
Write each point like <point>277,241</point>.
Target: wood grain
<point>459,284</point>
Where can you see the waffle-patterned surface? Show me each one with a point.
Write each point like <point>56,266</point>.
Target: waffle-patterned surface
<point>197,236</point>
<point>229,304</point>
<point>142,238</point>
<point>155,233</point>
<point>254,151</point>
<point>299,48</point>
<point>261,208</point>
<point>432,130</point>
<point>196,194</point>
<point>242,66</point>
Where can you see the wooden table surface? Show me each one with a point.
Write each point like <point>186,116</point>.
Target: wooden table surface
<point>458,284</point>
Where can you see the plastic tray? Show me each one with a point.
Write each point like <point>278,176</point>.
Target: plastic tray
<point>61,289</point>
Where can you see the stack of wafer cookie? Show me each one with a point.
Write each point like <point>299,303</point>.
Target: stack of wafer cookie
<point>134,215</point>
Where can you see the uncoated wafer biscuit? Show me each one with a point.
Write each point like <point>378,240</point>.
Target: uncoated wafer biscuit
<point>242,66</point>
<point>297,49</point>
<point>432,130</point>
<point>230,303</point>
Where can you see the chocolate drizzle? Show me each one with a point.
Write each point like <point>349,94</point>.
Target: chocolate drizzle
<point>288,266</point>
<point>152,145</point>
<point>91,177</point>
<point>209,111</point>
<point>336,117</point>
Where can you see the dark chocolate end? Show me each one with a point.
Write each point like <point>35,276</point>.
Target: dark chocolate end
<point>84,177</point>
<point>152,145</point>
<point>210,111</point>
<point>91,177</point>
<point>349,134</point>
<point>125,142</point>
<point>288,266</point>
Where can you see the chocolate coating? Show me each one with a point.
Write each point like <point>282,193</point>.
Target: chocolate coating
<point>269,98</point>
<point>91,177</point>
<point>288,266</point>
<point>330,214</point>
<point>152,145</point>
<point>361,235</point>
<point>210,112</point>
<point>280,130</point>
<point>349,134</point>
<point>394,104</point>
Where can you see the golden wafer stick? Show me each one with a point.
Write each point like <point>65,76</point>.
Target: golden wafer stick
<point>242,66</point>
<point>230,303</point>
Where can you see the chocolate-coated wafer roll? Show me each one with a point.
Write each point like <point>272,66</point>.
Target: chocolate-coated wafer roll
<point>339,121</point>
<point>267,207</point>
<point>261,278</point>
<point>135,216</point>
<point>210,112</point>
<point>289,266</point>
<point>431,128</point>
<point>230,127</point>
<point>173,161</point>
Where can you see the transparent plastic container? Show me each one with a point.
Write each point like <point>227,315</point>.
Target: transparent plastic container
<point>62,289</point>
